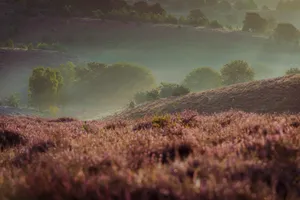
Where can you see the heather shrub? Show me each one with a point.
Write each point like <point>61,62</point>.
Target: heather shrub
<point>202,79</point>
<point>171,89</point>
<point>237,71</point>
<point>292,71</point>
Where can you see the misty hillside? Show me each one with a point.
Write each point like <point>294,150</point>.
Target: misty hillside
<point>278,95</point>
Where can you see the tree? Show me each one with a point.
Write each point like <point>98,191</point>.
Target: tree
<point>202,79</point>
<point>292,71</point>
<point>44,87</point>
<point>237,71</point>
<point>197,17</point>
<point>255,23</point>
<point>286,33</point>
<point>172,89</point>
<point>245,5</point>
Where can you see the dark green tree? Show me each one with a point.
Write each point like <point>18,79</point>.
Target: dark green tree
<point>255,23</point>
<point>237,71</point>
<point>44,87</point>
<point>202,79</point>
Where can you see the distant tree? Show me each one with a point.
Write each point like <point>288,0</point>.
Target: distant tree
<point>293,71</point>
<point>286,33</point>
<point>157,9</point>
<point>255,23</point>
<point>172,89</point>
<point>202,79</point>
<point>44,87</point>
<point>224,6</point>
<point>197,17</point>
<point>237,71</point>
<point>265,8</point>
<point>215,24</point>
<point>245,5</point>
<point>12,101</point>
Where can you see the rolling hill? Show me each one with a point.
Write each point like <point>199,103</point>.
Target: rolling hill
<point>278,95</point>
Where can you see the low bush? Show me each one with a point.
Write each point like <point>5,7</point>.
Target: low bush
<point>292,71</point>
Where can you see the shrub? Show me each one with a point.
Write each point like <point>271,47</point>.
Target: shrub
<point>215,24</point>
<point>151,95</point>
<point>202,79</point>
<point>10,43</point>
<point>44,87</point>
<point>12,101</point>
<point>30,46</point>
<point>171,89</point>
<point>292,71</point>
<point>237,71</point>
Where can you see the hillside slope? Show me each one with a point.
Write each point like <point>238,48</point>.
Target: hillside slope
<point>278,95</point>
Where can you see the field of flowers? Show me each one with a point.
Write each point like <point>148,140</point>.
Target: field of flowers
<point>231,155</point>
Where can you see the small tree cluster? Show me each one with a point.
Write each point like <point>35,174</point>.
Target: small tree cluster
<point>45,85</point>
<point>163,91</point>
<point>11,101</point>
<point>292,71</point>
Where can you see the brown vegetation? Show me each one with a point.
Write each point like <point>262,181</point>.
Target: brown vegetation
<point>233,155</point>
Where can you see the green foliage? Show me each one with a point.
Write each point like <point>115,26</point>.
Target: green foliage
<point>293,71</point>
<point>30,46</point>
<point>53,46</point>
<point>215,24</point>
<point>245,5</point>
<point>44,87</point>
<point>237,71</point>
<point>12,101</point>
<point>286,33</point>
<point>171,89</point>
<point>202,79</point>
<point>255,23</point>
<point>9,43</point>
<point>144,96</point>
<point>196,17</point>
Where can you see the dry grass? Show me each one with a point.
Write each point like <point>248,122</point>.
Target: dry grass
<point>232,155</point>
<point>278,95</point>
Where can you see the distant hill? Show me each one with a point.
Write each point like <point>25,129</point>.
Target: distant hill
<point>278,95</point>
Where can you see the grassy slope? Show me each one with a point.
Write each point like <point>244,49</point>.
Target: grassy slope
<point>232,155</point>
<point>265,96</point>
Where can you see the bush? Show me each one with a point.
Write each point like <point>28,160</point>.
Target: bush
<point>9,43</point>
<point>12,101</point>
<point>196,17</point>
<point>202,79</point>
<point>215,24</point>
<point>293,71</point>
<point>151,95</point>
<point>30,46</point>
<point>237,71</point>
<point>171,89</point>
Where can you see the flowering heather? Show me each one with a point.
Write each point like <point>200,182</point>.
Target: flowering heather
<point>231,155</point>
